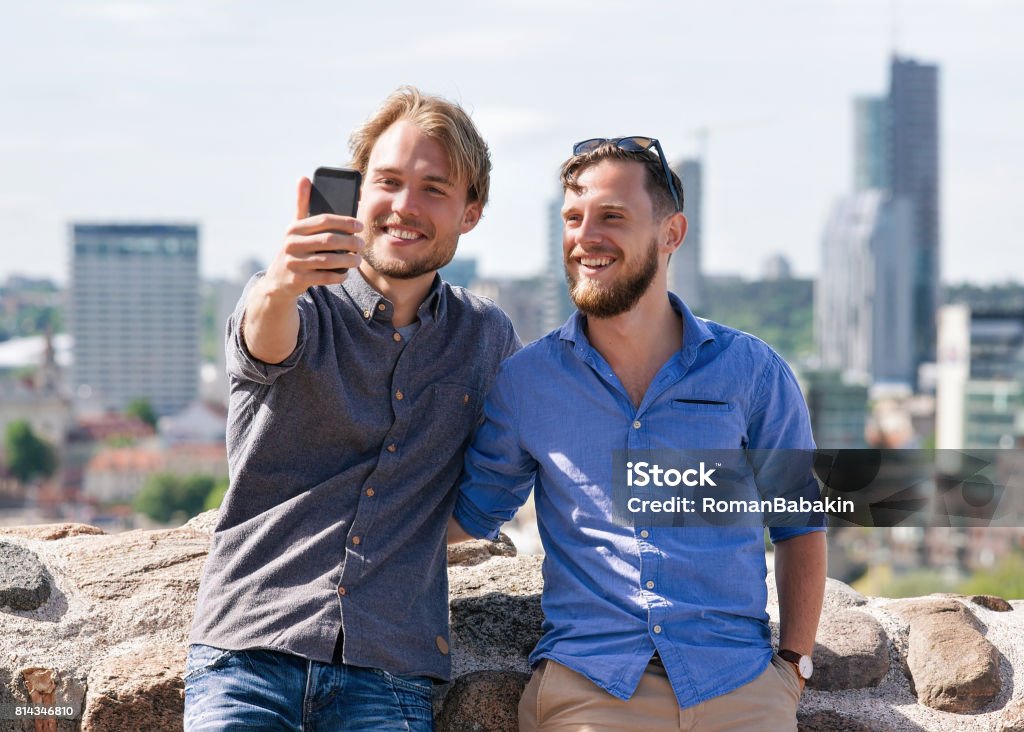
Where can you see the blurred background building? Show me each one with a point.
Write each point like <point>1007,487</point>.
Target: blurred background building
<point>685,274</point>
<point>980,399</point>
<point>863,303</point>
<point>134,315</point>
<point>879,283</point>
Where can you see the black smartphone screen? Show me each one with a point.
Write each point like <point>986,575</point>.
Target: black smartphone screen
<point>335,191</point>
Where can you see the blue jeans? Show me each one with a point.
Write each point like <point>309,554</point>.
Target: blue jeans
<point>268,690</point>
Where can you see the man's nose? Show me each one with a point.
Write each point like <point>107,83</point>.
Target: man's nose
<point>406,202</point>
<point>586,232</point>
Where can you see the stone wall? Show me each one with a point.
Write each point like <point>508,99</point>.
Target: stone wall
<point>101,621</point>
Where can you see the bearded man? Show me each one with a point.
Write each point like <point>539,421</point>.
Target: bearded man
<point>647,626</point>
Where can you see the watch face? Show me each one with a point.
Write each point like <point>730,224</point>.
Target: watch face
<point>806,667</point>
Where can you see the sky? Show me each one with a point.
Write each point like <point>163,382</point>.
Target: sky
<point>208,111</point>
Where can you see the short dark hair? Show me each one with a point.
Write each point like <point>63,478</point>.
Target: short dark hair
<point>657,186</point>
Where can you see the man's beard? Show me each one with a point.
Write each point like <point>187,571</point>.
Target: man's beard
<point>606,301</point>
<point>440,252</point>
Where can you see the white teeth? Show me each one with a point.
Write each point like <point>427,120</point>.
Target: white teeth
<point>595,261</point>
<point>402,233</point>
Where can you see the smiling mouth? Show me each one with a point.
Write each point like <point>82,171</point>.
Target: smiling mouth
<point>593,263</point>
<point>402,233</point>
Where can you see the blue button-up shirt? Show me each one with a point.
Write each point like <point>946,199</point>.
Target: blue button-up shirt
<point>615,593</point>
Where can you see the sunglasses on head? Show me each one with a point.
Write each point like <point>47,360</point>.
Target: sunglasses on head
<point>633,144</point>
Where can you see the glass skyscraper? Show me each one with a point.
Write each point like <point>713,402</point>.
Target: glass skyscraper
<point>914,175</point>
<point>878,292</point>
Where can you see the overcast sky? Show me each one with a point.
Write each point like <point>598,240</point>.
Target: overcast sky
<point>208,111</point>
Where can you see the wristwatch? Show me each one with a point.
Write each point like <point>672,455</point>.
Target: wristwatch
<point>804,665</point>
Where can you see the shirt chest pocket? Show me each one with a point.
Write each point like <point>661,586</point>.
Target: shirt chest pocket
<point>708,424</point>
<point>447,413</point>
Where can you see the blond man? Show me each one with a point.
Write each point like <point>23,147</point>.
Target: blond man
<point>324,600</point>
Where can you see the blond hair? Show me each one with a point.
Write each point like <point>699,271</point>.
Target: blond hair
<point>442,121</point>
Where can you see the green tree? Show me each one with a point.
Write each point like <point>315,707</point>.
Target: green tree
<point>1005,579</point>
<point>915,584</point>
<point>28,455</point>
<point>167,496</point>
<point>192,495</point>
<point>156,499</point>
<point>140,408</point>
<point>216,496</point>
<point>780,312</point>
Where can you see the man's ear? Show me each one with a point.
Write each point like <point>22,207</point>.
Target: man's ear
<point>470,217</point>
<point>674,231</point>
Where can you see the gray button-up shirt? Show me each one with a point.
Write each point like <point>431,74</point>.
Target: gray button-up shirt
<point>343,461</point>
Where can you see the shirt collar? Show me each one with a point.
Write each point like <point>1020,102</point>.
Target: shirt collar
<point>695,330</point>
<point>433,305</point>
<point>374,305</point>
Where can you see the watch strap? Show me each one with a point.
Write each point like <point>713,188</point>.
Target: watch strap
<point>791,656</point>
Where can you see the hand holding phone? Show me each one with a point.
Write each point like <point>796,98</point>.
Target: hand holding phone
<point>335,191</point>
<point>316,251</point>
<point>306,259</point>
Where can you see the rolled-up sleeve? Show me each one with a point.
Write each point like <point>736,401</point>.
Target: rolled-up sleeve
<point>780,432</point>
<point>497,474</point>
<point>240,363</point>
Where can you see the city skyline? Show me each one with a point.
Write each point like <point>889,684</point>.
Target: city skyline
<point>201,112</point>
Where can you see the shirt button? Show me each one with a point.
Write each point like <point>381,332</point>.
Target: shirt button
<point>396,336</point>
<point>657,628</point>
<point>341,591</point>
<point>645,534</point>
<point>367,313</point>
<point>392,447</point>
<point>399,395</point>
<point>650,585</point>
<point>382,307</point>
<point>370,492</point>
<point>636,425</point>
<point>356,540</point>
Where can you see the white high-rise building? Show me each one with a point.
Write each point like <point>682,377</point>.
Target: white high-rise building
<point>556,304</point>
<point>862,299</point>
<point>980,392</point>
<point>134,315</point>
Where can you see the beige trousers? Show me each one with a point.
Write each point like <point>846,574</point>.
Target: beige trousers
<point>558,699</point>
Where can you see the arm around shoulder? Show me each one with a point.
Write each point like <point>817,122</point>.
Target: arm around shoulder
<point>498,472</point>
<point>457,534</point>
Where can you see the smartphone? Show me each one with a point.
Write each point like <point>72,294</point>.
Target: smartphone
<point>335,191</point>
